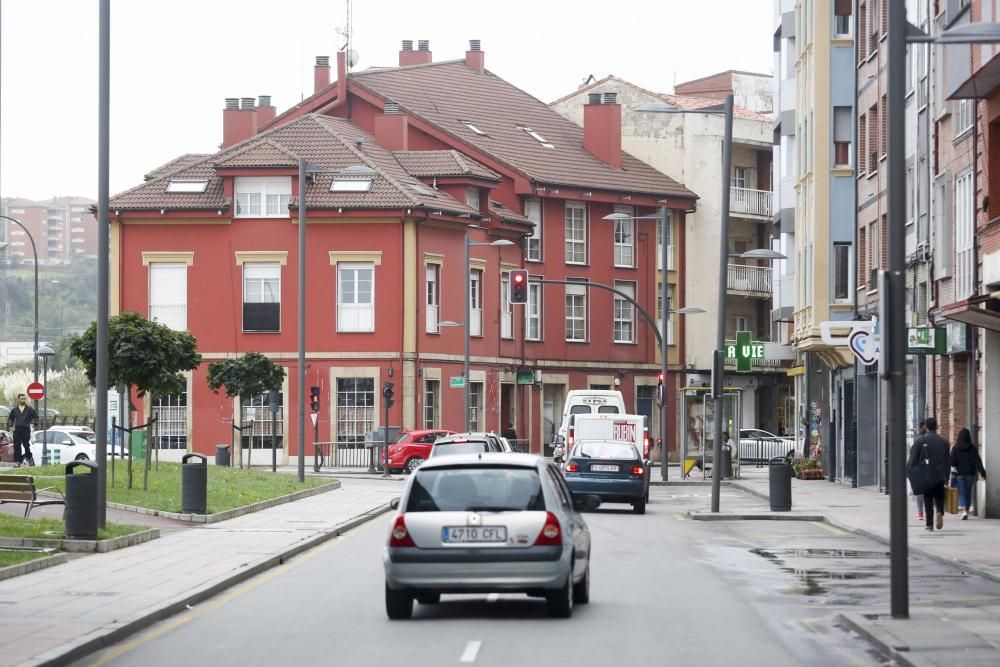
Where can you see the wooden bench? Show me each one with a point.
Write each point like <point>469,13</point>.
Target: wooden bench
<point>21,489</point>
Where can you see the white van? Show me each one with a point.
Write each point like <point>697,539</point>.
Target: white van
<point>590,401</point>
<point>631,429</point>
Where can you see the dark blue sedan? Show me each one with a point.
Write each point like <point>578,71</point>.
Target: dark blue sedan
<point>612,470</point>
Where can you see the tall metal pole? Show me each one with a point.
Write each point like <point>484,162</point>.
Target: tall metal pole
<point>468,317</point>
<point>103,257</point>
<point>664,336</point>
<point>720,334</point>
<point>894,327</point>
<point>301,434</point>
<point>45,411</point>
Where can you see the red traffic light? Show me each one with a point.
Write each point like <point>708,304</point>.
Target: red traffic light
<point>518,286</point>
<point>518,277</point>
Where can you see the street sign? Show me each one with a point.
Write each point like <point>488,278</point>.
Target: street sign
<point>35,391</point>
<point>926,340</point>
<point>744,351</point>
<point>457,382</point>
<point>526,377</point>
<point>314,417</point>
<point>865,346</point>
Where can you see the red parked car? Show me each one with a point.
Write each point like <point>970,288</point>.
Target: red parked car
<point>412,448</point>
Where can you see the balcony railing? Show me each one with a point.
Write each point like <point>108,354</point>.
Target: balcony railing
<point>749,280</point>
<point>745,201</point>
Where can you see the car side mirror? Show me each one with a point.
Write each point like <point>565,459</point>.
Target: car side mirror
<point>394,503</point>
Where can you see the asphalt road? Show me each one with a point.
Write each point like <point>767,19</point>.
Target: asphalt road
<point>664,589</point>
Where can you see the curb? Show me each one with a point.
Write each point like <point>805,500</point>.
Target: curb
<point>856,623</point>
<point>693,482</point>
<point>755,516</point>
<point>84,546</point>
<point>73,651</point>
<point>12,571</point>
<point>232,513</point>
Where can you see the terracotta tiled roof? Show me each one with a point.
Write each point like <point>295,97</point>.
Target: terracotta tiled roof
<point>178,163</point>
<point>326,143</point>
<point>427,164</point>
<point>446,93</point>
<point>507,215</point>
<point>263,153</point>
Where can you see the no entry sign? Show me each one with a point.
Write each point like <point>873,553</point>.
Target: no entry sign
<point>36,391</point>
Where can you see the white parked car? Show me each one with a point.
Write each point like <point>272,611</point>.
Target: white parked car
<point>65,445</point>
<point>758,446</point>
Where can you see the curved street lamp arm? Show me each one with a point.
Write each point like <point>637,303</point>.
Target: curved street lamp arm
<point>34,251</point>
<point>642,311</point>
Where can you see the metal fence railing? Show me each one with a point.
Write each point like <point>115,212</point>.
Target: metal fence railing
<point>761,451</point>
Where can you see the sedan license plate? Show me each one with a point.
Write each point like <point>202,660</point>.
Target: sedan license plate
<point>602,467</point>
<point>460,534</point>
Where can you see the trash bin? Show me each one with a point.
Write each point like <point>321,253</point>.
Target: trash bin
<point>222,455</point>
<point>194,484</point>
<point>726,466</point>
<point>779,477</point>
<point>81,501</point>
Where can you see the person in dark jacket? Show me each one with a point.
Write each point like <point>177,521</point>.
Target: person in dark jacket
<point>934,449</point>
<point>917,498</point>
<point>20,420</point>
<point>965,460</point>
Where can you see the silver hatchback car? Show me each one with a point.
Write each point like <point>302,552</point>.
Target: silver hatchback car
<point>488,523</point>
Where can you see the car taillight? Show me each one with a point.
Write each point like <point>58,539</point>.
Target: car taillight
<point>572,467</point>
<point>551,534</point>
<point>400,537</point>
<point>645,445</point>
<point>569,440</point>
<point>638,471</point>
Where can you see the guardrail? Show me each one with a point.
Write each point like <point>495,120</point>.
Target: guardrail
<point>750,202</point>
<point>750,280</point>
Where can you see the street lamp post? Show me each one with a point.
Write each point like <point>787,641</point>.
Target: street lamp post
<point>34,251</point>
<point>900,31</point>
<point>468,316</point>
<point>45,352</point>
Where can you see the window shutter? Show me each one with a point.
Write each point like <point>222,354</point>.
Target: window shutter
<point>862,258</point>
<point>168,294</point>
<point>885,128</point>
<point>861,40</point>
<point>842,8</point>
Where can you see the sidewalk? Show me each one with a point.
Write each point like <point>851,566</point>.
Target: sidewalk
<point>935,634</point>
<point>60,614</point>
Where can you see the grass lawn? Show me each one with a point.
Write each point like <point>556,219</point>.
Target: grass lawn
<point>15,557</point>
<point>53,529</point>
<point>227,487</point>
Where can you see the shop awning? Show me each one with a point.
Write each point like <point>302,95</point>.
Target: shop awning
<point>977,317</point>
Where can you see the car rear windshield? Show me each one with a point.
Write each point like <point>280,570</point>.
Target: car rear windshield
<point>446,448</point>
<point>580,410</point>
<point>481,489</point>
<point>607,410</point>
<point>606,450</point>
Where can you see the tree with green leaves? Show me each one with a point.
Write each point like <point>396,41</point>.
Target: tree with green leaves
<point>147,356</point>
<point>246,376</point>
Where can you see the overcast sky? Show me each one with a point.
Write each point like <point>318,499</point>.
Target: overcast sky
<point>174,61</point>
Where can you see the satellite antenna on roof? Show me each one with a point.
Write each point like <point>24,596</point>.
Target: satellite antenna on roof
<point>352,57</point>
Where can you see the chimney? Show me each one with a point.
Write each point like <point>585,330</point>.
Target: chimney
<point>422,56</point>
<point>392,129</point>
<point>265,112</point>
<point>341,76</point>
<point>602,128</point>
<point>239,120</point>
<point>321,73</point>
<point>475,58</point>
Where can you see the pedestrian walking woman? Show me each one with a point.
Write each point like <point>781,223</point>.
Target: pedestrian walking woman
<point>20,420</point>
<point>933,449</point>
<point>965,460</point>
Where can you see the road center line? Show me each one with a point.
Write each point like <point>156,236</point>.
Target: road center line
<point>471,651</point>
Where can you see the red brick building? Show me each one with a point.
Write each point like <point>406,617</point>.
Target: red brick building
<point>413,158</point>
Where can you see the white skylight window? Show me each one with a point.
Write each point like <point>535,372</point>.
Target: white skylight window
<point>537,137</point>
<point>187,186</point>
<point>419,187</point>
<point>351,185</point>
<point>473,128</point>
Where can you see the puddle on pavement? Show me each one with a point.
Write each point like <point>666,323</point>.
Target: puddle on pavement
<point>776,554</point>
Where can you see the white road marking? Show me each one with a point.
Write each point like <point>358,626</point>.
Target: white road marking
<point>471,651</point>
<point>492,597</point>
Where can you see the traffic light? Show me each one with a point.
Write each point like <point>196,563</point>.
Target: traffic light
<point>314,398</point>
<point>519,286</point>
<point>387,394</point>
<point>659,389</point>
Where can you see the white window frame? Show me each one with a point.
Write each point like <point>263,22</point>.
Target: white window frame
<point>742,323</point>
<point>171,309</point>
<point>432,403</point>
<point>476,302</point>
<point>432,297</point>
<point>533,312</point>
<point>506,309</point>
<point>624,238</point>
<point>533,243</point>
<point>669,324</point>
<point>355,316</point>
<point>262,196</point>
<point>575,229</point>
<point>575,310</point>
<point>472,197</point>
<point>477,406</point>
<point>623,313</point>
<point>965,236</point>
<point>964,110</point>
<point>849,250</point>
<point>268,293</point>
<point>669,239</point>
<point>740,177</point>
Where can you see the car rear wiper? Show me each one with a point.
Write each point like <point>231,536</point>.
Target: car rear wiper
<point>493,508</point>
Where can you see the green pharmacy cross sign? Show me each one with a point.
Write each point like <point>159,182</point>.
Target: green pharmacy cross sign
<point>744,351</point>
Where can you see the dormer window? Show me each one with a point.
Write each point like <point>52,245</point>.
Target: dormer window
<point>351,185</point>
<point>187,186</point>
<point>472,197</point>
<point>473,128</point>
<point>263,197</point>
<point>537,137</point>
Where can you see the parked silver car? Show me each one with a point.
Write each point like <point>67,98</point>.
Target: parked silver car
<point>486,523</point>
